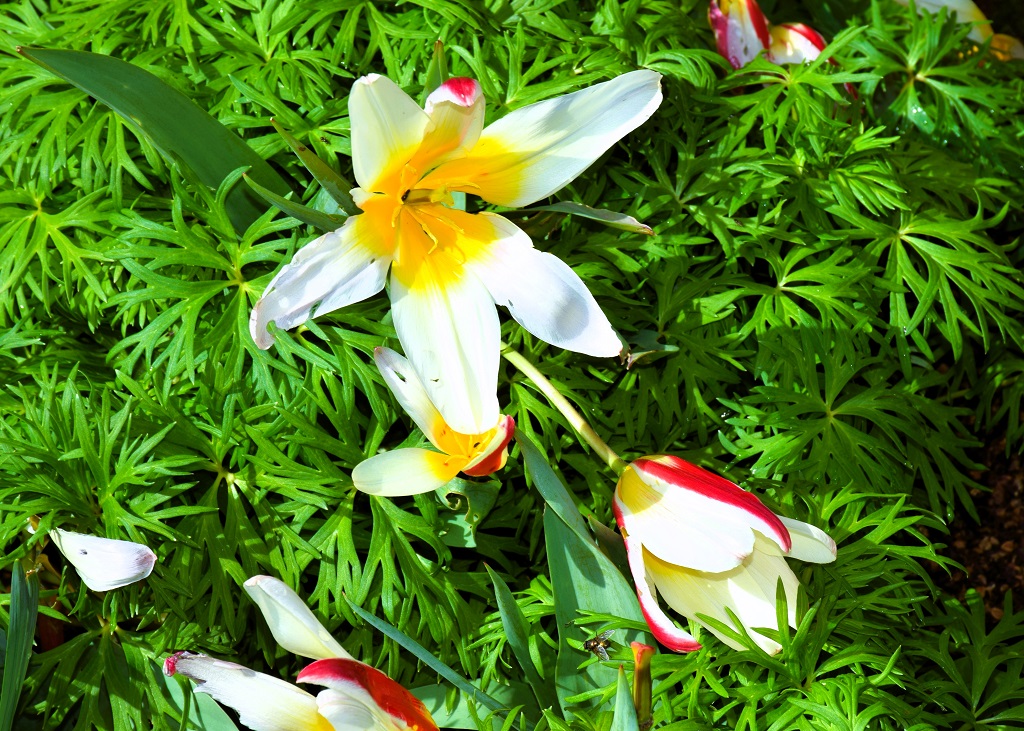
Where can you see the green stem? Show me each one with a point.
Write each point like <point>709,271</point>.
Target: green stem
<point>560,402</point>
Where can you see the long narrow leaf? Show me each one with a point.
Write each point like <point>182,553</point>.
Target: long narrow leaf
<point>23,610</point>
<point>625,714</point>
<point>427,659</point>
<point>335,185</point>
<point>318,219</point>
<point>171,121</point>
<point>550,487</point>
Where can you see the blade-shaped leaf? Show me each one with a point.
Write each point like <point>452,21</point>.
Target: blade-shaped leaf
<point>550,487</point>
<point>625,714</point>
<point>584,579</point>
<point>318,219</point>
<point>611,219</point>
<point>513,621</point>
<point>171,121</point>
<point>23,609</point>
<point>335,185</point>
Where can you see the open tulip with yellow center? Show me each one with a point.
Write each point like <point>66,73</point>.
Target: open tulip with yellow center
<point>707,545</point>
<point>449,268</point>
<point>357,697</point>
<point>412,470</point>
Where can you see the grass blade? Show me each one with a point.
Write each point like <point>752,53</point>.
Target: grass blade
<point>22,627</point>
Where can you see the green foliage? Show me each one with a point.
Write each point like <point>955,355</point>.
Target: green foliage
<point>829,312</point>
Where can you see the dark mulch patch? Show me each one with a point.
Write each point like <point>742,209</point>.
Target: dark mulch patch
<point>992,551</point>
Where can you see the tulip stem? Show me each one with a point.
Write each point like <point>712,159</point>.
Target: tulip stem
<point>560,402</point>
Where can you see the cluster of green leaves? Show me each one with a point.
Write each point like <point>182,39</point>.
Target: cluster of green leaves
<point>829,313</point>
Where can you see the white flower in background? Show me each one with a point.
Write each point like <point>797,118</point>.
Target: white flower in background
<point>104,563</point>
<point>449,268</point>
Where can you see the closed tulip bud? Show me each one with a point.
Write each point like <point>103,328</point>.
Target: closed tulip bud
<point>708,546</point>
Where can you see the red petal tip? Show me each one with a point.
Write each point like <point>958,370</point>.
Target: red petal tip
<point>390,696</point>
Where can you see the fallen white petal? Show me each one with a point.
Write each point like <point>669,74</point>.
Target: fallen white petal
<point>104,563</point>
<point>291,621</point>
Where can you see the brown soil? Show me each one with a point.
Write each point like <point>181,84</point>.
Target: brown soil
<point>992,551</point>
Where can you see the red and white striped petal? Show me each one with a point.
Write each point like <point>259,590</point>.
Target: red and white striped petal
<point>748,590</point>
<point>493,455</point>
<point>537,150</point>
<point>663,628</point>
<point>412,396</point>
<point>335,270</point>
<point>408,471</point>
<point>294,626</point>
<point>740,28</point>
<point>263,703</point>
<point>543,293</point>
<point>794,43</point>
<point>355,684</point>
<point>448,327</point>
<point>810,543</point>
<point>104,563</point>
<point>690,517</point>
<point>387,129</point>
<point>456,111</point>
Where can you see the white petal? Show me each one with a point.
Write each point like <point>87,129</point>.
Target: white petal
<point>543,294</point>
<point>291,622</point>
<point>349,713</point>
<point>405,384</point>
<point>450,333</point>
<point>794,43</point>
<point>663,628</point>
<point>405,472</point>
<point>387,128</point>
<point>698,520</point>
<point>809,543</point>
<point>104,563</point>
<point>966,11</point>
<point>335,270</point>
<point>537,150</point>
<point>748,590</point>
<point>263,703</point>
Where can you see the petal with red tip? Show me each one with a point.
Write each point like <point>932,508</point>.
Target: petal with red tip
<point>663,629</point>
<point>690,517</point>
<point>494,454</point>
<point>387,129</point>
<point>370,688</point>
<point>794,43</point>
<point>456,111</point>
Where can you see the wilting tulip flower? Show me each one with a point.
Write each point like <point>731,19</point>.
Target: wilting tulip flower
<point>449,268</point>
<point>707,545</point>
<point>291,622</point>
<point>357,696</point>
<point>104,563</point>
<point>412,471</point>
